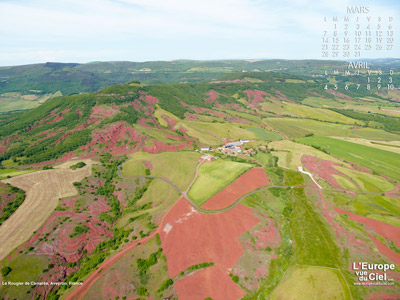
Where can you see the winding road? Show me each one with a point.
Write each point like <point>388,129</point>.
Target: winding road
<point>184,194</point>
<point>80,291</point>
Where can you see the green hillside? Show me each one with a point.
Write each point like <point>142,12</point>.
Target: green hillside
<point>160,148</point>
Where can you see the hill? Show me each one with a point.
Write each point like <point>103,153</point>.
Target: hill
<point>136,226</point>
<point>25,87</point>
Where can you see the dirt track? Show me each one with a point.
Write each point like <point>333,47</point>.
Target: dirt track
<point>81,290</point>
<point>253,179</point>
<point>43,189</point>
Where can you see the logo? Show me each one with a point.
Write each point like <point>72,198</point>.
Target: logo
<point>373,274</point>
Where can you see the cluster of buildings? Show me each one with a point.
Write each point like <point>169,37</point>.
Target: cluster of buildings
<point>231,148</point>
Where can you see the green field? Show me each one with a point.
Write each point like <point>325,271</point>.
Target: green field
<point>266,135</point>
<point>300,127</point>
<point>213,177</point>
<point>24,268</point>
<point>345,183</point>
<point>367,182</point>
<point>380,208</point>
<point>374,134</point>
<point>290,153</point>
<point>17,101</point>
<point>4,173</point>
<point>214,133</point>
<point>306,283</point>
<point>381,161</point>
<point>243,115</point>
<point>181,174</point>
<point>159,112</point>
<point>320,114</point>
<point>159,197</point>
<point>159,135</point>
<point>313,239</point>
<point>392,146</point>
<point>321,102</point>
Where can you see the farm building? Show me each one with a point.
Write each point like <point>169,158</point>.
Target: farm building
<point>244,141</point>
<point>233,144</point>
<point>232,150</point>
<point>248,151</point>
<point>205,148</point>
<point>207,157</point>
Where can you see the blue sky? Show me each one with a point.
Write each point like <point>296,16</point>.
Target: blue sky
<point>33,31</point>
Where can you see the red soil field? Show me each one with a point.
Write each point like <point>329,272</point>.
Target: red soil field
<point>189,237</point>
<point>324,169</point>
<point>385,251</point>
<point>237,120</point>
<point>159,146</point>
<point>388,231</point>
<point>190,117</point>
<point>81,290</point>
<point>64,246</point>
<point>49,135</point>
<point>5,198</point>
<point>212,96</point>
<point>282,96</point>
<point>56,119</point>
<point>171,122</point>
<point>384,296</point>
<point>395,191</point>
<point>200,110</point>
<point>249,181</point>
<point>340,95</point>
<point>173,137</point>
<point>255,96</point>
<point>69,202</point>
<point>182,129</point>
<point>63,112</point>
<point>111,135</point>
<point>148,164</point>
<point>267,236</point>
<point>150,99</point>
<point>211,282</point>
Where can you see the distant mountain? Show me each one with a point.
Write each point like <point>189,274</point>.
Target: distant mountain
<point>72,78</point>
<point>31,85</point>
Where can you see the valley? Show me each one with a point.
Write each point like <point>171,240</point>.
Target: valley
<point>170,203</point>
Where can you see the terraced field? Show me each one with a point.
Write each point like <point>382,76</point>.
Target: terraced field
<point>378,160</point>
<point>300,127</point>
<point>290,153</point>
<point>367,182</point>
<point>392,146</point>
<point>266,135</point>
<point>320,114</point>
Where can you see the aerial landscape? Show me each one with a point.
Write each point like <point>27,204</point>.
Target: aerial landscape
<point>199,179</point>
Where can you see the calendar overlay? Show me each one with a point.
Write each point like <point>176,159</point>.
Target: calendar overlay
<point>357,34</point>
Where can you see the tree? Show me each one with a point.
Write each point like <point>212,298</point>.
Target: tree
<point>5,271</point>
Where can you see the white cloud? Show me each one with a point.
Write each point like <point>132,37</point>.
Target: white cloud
<point>154,29</point>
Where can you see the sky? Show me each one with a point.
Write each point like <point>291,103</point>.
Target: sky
<point>36,31</point>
